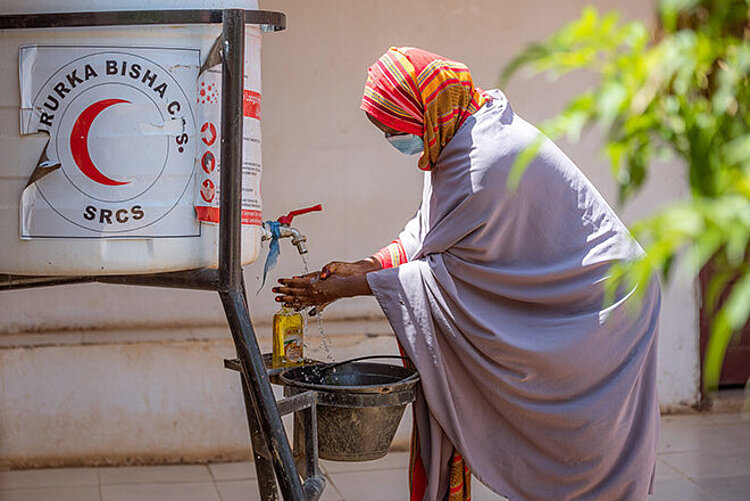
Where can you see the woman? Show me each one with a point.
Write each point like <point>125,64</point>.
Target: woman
<point>496,296</point>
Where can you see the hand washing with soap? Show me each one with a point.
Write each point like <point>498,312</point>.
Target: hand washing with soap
<point>533,379</point>
<point>334,281</point>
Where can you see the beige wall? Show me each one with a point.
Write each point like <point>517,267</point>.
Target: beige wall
<point>317,148</point>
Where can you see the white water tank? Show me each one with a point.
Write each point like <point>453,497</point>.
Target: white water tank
<point>110,147</point>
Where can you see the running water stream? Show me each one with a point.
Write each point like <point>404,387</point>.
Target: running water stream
<point>318,319</point>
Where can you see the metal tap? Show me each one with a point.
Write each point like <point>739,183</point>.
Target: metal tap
<point>298,239</point>
<point>286,230</point>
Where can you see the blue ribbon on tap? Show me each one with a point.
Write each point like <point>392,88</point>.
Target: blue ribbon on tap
<point>273,249</point>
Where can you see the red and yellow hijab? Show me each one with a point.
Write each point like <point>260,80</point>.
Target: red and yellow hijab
<point>417,92</point>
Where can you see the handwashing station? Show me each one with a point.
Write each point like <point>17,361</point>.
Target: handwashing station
<point>132,155</point>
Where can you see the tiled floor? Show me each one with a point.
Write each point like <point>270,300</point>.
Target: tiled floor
<point>701,457</point>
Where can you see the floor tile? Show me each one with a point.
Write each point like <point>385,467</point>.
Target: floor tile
<point>729,417</point>
<point>665,471</point>
<point>480,492</point>
<point>679,490</point>
<point>672,420</point>
<point>728,488</point>
<point>706,438</point>
<point>57,477</point>
<point>52,494</point>
<point>160,492</point>
<point>331,492</point>
<point>698,465</point>
<point>390,461</point>
<point>155,474</point>
<point>233,471</point>
<point>375,485</point>
<point>247,490</point>
<point>739,429</point>
<point>238,490</point>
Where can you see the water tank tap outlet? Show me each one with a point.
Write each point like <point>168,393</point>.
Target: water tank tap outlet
<point>298,240</point>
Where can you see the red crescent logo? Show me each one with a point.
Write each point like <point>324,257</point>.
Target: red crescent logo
<point>79,142</point>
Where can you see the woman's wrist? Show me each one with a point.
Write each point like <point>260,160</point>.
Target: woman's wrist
<point>356,285</point>
<point>370,263</point>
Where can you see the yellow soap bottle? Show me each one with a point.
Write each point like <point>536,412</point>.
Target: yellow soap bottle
<point>288,332</point>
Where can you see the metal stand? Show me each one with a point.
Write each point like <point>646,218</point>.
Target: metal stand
<point>270,444</point>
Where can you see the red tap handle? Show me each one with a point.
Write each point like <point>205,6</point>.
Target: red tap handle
<point>288,218</point>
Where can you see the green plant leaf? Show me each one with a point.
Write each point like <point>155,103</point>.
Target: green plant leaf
<point>730,318</point>
<point>682,93</point>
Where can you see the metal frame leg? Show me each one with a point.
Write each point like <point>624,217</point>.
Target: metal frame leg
<point>256,379</point>
<point>303,405</point>
<point>230,265</point>
<point>261,455</point>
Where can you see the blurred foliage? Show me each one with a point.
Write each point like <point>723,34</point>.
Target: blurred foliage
<point>680,89</point>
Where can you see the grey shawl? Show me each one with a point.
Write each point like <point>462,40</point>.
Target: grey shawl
<point>545,392</point>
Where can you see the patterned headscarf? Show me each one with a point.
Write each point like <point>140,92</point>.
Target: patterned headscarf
<point>417,92</point>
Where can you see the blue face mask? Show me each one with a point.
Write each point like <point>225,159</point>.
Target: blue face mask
<point>408,144</point>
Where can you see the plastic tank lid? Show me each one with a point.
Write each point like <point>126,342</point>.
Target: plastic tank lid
<point>47,6</point>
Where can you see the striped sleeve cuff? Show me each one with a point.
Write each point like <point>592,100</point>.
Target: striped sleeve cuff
<point>392,255</point>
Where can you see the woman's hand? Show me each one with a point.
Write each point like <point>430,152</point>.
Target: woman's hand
<point>337,279</point>
<point>313,291</point>
<point>344,269</point>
